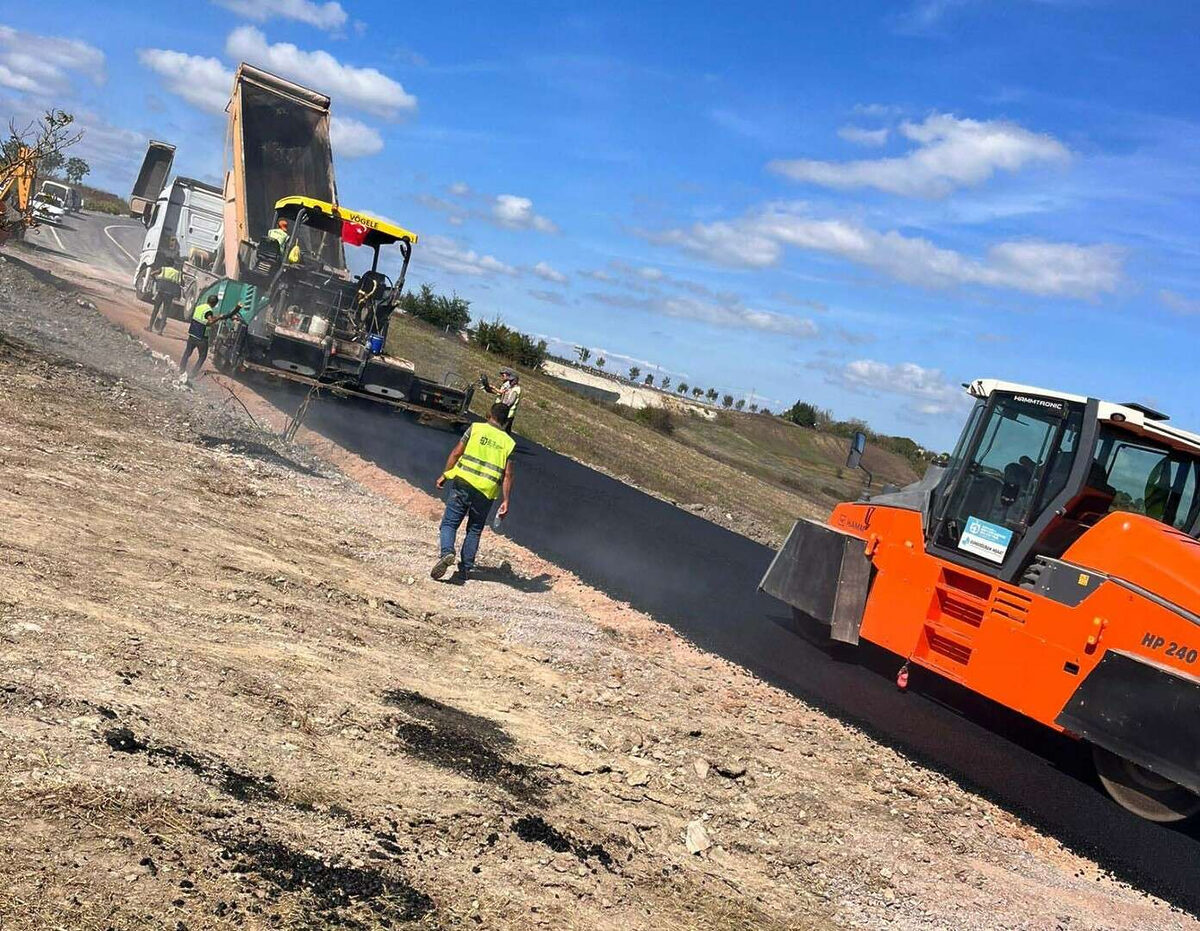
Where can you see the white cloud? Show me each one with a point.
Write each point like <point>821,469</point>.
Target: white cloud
<point>860,136</point>
<point>513,212</point>
<point>1032,266</point>
<point>352,139</point>
<point>364,88</point>
<point>201,81</point>
<point>37,64</point>
<point>450,256</point>
<point>548,273</point>
<point>650,273</point>
<point>328,16</point>
<point>735,316</point>
<point>730,315</point>
<point>460,189</point>
<point>1185,306</point>
<point>206,83</point>
<point>929,389</point>
<point>550,297</point>
<point>950,153</point>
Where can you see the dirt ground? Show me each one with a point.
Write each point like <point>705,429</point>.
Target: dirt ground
<point>231,697</point>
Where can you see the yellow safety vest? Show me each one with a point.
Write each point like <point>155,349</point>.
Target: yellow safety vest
<point>278,236</point>
<point>200,311</point>
<point>169,274</point>
<point>482,463</point>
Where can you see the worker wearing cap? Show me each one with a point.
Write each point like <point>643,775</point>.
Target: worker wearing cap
<point>508,394</point>
<point>279,236</point>
<point>479,469</point>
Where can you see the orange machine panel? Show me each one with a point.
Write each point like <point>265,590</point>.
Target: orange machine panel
<point>1012,644</point>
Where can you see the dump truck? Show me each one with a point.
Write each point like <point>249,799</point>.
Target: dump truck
<point>1052,566</point>
<point>152,177</point>
<point>306,317</point>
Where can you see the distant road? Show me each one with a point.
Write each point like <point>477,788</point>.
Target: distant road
<point>702,580</point>
<point>102,240</point>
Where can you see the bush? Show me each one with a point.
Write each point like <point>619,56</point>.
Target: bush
<point>802,414</point>
<point>656,418</point>
<point>443,312</point>
<point>510,344</point>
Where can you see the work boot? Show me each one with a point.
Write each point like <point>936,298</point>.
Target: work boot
<point>440,567</point>
<point>461,574</point>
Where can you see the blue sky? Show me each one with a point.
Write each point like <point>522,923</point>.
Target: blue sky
<point>859,204</point>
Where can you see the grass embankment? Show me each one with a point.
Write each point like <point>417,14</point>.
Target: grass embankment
<point>758,468</point>
<point>102,201</point>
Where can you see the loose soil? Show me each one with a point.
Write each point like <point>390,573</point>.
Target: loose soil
<point>231,697</point>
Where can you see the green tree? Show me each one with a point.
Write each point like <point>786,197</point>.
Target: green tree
<point>711,394</point>
<point>753,408</point>
<point>634,372</point>
<point>682,387</point>
<point>76,169</point>
<point>518,347</point>
<point>51,162</point>
<point>696,392</point>
<point>648,381</point>
<point>584,354</point>
<point>443,312</point>
<point>665,382</point>
<point>803,414</point>
<point>600,362</point>
<point>741,402</point>
<point>727,401</point>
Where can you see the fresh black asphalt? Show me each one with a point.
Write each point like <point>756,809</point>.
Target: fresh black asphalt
<point>702,580</point>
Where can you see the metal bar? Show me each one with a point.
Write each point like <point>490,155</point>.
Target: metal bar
<point>342,391</point>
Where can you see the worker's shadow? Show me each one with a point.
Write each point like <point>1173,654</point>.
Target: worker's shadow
<point>504,574</point>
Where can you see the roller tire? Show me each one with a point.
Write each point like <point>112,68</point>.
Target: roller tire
<point>1142,792</point>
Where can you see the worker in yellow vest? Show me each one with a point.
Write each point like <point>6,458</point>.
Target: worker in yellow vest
<point>203,317</point>
<point>168,285</point>
<point>479,470</point>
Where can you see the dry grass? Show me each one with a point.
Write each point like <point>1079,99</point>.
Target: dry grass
<point>761,469</point>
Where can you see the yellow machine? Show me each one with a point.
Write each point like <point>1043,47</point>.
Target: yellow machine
<point>16,194</point>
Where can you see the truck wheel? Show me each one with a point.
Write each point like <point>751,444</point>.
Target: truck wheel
<point>1146,794</point>
<point>141,283</point>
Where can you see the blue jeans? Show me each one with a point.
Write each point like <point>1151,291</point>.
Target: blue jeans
<point>463,501</point>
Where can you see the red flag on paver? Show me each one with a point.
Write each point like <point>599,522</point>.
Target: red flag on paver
<point>353,234</point>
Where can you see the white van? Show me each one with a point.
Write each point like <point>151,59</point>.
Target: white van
<point>185,223</point>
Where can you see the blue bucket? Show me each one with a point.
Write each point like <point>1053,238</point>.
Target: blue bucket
<point>375,341</point>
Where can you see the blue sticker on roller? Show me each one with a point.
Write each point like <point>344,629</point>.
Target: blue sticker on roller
<point>989,541</point>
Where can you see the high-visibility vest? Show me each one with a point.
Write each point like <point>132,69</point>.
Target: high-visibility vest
<point>200,311</point>
<point>278,236</point>
<point>483,460</point>
<point>294,256</point>
<point>515,392</point>
<point>168,273</point>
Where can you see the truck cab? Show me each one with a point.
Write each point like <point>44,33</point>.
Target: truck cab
<point>184,223</point>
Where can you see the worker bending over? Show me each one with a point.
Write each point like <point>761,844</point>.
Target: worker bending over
<point>479,469</point>
<point>508,394</point>
<point>204,316</point>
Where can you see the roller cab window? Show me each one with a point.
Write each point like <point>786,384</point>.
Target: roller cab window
<point>1014,457</point>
